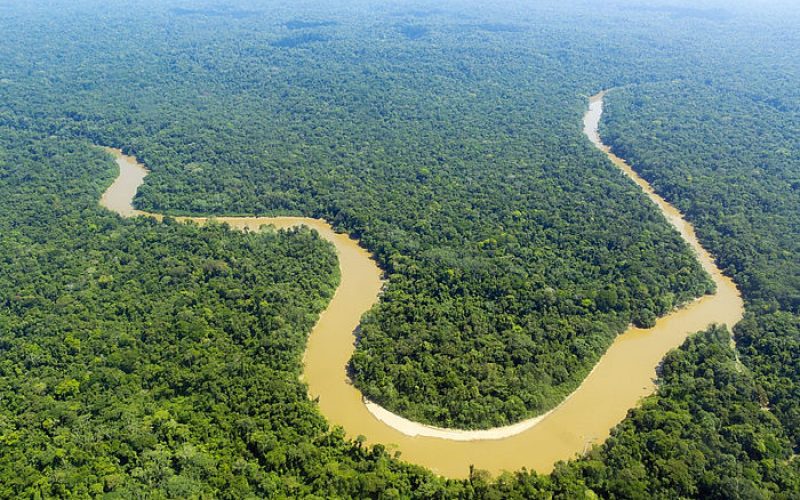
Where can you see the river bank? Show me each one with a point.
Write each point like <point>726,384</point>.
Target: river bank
<point>624,374</point>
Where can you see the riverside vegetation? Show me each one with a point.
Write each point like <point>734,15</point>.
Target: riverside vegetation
<point>619,380</point>
<point>514,252</point>
<point>511,268</point>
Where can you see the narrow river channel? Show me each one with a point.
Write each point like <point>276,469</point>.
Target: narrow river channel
<point>621,378</point>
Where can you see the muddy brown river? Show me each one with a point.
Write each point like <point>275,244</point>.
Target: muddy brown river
<point>623,376</point>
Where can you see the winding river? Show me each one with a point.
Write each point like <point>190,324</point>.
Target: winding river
<point>620,379</point>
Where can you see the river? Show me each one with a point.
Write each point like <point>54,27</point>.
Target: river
<point>623,376</point>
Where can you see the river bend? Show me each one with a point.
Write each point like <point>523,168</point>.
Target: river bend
<point>624,374</point>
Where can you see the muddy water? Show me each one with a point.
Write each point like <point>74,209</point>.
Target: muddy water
<point>119,196</point>
<point>621,378</point>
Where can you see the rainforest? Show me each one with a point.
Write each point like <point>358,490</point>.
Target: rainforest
<point>169,355</point>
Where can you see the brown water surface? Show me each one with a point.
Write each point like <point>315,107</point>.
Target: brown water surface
<point>621,378</point>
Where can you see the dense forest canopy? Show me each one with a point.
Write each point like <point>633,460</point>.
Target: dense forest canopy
<point>515,253</point>
<point>741,184</point>
<point>137,356</point>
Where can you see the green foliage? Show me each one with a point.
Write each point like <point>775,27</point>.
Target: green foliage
<point>515,252</point>
<point>704,435</point>
<point>161,360</point>
<point>770,345</point>
<point>727,154</point>
<point>176,378</point>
